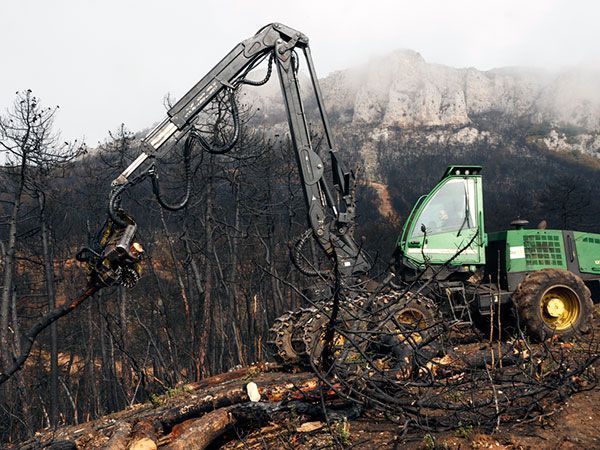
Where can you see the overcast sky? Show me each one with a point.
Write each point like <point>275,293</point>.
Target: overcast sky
<point>112,61</point>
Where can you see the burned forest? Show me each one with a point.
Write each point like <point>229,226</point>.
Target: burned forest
<point>228,279</point>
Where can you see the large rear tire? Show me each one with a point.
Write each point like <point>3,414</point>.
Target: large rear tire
<point>553,302</point>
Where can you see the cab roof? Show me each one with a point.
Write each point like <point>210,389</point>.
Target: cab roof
<point>455,169</point>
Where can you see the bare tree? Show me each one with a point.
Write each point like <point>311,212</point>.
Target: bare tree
<point>34,153</point>
<point>26,138</point>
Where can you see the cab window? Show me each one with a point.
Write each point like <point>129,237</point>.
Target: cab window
<point>450,209</point>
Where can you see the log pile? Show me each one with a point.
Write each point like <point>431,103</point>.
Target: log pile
<point>196,415</point>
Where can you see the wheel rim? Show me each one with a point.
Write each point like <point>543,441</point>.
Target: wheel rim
<point>413,320</point>
<point>560,307</point>
<point>412,317</point>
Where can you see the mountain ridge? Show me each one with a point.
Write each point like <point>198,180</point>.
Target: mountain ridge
<point>438,104</point>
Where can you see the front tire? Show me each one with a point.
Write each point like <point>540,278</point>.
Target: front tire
<point>553,302</point>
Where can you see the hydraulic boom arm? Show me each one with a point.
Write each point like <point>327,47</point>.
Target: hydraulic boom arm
<point>330,214</point>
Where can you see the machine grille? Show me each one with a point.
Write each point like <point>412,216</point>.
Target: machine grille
<point>542,251</point>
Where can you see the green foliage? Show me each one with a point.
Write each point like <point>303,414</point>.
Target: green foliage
<point>342,431</point>
<point>428,442</point>
<point>464,431</point>
<point>158,400</point>
<point>455,396</point>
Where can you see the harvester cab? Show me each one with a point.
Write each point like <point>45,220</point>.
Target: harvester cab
<point>446,226</point>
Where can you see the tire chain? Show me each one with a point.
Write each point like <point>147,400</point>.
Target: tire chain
<point>296,338</point>
<point>285,337</point>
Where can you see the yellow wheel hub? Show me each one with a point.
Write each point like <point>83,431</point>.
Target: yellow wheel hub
<point>412,317</point>
<point>560,307</point>
<point>555,307</point>
<point>415,320</point>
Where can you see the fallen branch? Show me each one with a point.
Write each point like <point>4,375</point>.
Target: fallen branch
<point>43,322</point>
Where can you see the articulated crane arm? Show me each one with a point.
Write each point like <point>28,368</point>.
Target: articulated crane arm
<point>330,214</point>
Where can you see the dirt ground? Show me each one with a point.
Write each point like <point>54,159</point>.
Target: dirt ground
<point>575,425</point>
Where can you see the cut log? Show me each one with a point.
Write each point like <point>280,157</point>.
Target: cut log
<point>143,444</point>
<point>232,375</point>
<point>197,434</point>
<point>307,390</point>
<point>221,402</point>
<point>270,386</point>
<point>143,436</point>
<point>119,438</point>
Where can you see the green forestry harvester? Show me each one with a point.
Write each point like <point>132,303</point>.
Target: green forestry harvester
<point>446,267</point>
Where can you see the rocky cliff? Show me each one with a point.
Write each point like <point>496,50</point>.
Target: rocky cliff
<point>403,98</point>
<point>403,89</point>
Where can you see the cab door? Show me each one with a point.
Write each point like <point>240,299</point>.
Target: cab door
<point>448,226</point>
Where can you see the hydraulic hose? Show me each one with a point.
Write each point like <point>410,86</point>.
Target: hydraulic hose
<point>113,204</point>
<point>187,151</point>
<point>244,80</point>
<point>227,146</point>
<point>298,259</point>
<point>114,200</point>
<point>115,196</point>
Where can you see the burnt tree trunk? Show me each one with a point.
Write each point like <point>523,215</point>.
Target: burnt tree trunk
<point>50,292</point>
<point>9,270</point>
<point>202,366</point>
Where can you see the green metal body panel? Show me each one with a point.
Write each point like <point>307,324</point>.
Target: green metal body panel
<point>588,252</point>
<point>528,250</point>
<point>449,228</point>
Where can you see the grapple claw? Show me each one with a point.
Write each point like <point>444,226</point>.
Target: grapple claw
<point>117,256</point>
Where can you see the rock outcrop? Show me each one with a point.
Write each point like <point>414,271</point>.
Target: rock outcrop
<point>403,89</point>
<point>437,105</point>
